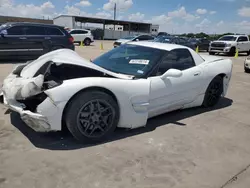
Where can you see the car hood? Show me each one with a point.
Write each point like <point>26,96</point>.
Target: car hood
<point>65,56</point>
<point>222,41</point>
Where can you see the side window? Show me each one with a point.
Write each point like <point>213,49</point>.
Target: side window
<point>83,32</point>
<point>16,30</point>
<point>242,39</point>
<point>34,30</point>
<point>78,32</point>
<point>180,59</point>
<point>54,31</point>
<point>143,37</point>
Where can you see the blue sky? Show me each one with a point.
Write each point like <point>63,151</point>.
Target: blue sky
<point>214,16</point>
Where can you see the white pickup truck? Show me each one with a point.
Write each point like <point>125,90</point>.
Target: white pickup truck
<point>229,43</point>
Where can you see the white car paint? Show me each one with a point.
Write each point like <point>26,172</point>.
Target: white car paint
<point>138,99</point>
<point>242,46</point>
<point>247,64</point>
<point>81,34</point>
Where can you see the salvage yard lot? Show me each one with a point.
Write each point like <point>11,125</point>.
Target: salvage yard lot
<point>195,148</point>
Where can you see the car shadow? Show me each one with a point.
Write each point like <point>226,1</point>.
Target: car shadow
<point>64,141</point>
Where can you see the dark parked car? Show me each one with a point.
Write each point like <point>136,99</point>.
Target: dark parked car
<point>174,40</point>
<point>202,43</point>
<point>31,40</point>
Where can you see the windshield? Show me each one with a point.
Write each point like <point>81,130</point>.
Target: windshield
<point>130,59</point>
<point>129,37</point>
<point>228,38</point>
<point>3,26</point>
<point>163,39</point>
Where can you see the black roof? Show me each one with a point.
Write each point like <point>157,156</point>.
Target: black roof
<point>31,23</point>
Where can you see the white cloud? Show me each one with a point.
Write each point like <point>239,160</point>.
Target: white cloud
<point>212,12</point>
<point>136,17</point>
<point>103,15</point>
<point>182,13</point>
<point>162,19</point>
<point>72,10</point>
<point>9,8</point>
<point>203,25</point>
<point>201,11</point>
<point>220,23</point>
<point>244,12</point>
<point>84,3</point>
<point>121,5</point>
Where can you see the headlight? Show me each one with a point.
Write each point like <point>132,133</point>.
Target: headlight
<point>228,45</point>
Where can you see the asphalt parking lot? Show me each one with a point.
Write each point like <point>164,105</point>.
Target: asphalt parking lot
<point>195,148</point>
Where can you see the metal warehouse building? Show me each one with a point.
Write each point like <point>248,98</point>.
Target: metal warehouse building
<point>128,27</point>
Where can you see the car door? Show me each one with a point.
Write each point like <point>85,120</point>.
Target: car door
<point>174,92</point>
<point>242,43</point>
<point>13,42</point>
<point>56,37</point>
<point>37,41</point>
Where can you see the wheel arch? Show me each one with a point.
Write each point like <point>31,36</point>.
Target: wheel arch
<point>87,38</point>
<point>93,88</point>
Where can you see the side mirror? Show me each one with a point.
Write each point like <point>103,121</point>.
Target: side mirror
<point>174,73</point>
<point>3,33</point>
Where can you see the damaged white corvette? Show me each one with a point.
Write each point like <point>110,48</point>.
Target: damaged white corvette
<point>122,88</point>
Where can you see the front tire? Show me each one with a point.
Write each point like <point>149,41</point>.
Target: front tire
<point>232,51</point>
<point>214,92</point>
<point>247,70</point>
<point>211,53</point>
<point>92,116</point>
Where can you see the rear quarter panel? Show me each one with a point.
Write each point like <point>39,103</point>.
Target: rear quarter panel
<point>217,67</point>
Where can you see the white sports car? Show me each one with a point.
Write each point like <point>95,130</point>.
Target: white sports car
<point>122,88</point>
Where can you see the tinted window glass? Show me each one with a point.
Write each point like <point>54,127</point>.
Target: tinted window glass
<point>78,32</point>
<point>34,30</point>
<point>53,31</point>
<point>16,30</point>
<point>180,59</point>
<point>145,37</point>
<point>242,39</point>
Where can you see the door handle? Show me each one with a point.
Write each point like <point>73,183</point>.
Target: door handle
<point>22,38</point>
<point>197,73</point>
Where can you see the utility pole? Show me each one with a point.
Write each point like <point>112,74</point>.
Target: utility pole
<point>115,12</point>
<point>114,16</point>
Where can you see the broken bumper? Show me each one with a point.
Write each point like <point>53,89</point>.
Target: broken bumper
<point>35,121</point>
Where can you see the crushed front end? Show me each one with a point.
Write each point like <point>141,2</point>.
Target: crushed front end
<point>25,96</point>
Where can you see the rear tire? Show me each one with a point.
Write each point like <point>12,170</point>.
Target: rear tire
<point>87,42</point>
<point>213,92</point>
<point>92,116</point>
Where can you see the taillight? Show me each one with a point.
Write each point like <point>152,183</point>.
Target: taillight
<point>71,40</point>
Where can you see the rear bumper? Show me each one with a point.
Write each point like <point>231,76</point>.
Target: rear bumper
<point>36,121</point>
